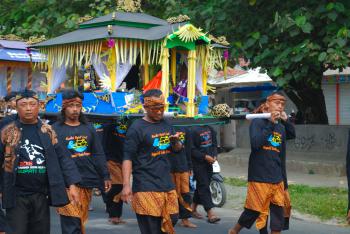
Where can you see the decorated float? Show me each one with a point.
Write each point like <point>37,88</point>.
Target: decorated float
<point>114,58</point>
<point>17,70</point>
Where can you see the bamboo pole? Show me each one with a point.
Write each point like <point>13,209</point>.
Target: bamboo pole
<point>191,83</point>
<point>113,71</point>
<point>49,78</point>
<point>146,67</point>
<point>173,66</point>
<point>165,76</point>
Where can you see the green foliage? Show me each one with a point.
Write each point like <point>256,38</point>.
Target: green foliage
<point>48,17</point>
<point>282,37</point>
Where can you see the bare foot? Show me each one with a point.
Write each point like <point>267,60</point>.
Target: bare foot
<point>232,231</point>
<point>116,221</point>
<point>187,223</point>
<point>196,215</point>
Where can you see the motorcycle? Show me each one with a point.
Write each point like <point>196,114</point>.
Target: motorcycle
<point>216,186</point>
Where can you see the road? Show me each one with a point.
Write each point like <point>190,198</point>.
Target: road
<point>98,224</point>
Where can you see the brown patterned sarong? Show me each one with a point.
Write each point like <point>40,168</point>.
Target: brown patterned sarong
<point>80,211</point>
<point>182,185</point>
<point>115,171</point>
<point>157,204</point>
<point>287,208</point>
<point>260,196</point>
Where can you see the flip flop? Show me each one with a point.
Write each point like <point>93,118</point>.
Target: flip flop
<point>214,220</point>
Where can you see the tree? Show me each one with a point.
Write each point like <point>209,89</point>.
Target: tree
<point>48,17</point>
<point>295,41</point>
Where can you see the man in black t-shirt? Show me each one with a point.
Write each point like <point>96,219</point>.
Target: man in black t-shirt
<point>204,154</point>
<point>115,134</point>
<point>181,169</point>
<point>35,167</point>
<point>267,177</point>
<point>148,144</point>
<point>86,150</point>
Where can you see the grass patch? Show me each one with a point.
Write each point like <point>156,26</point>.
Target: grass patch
<point>235,182</point>
<point>324,202</point>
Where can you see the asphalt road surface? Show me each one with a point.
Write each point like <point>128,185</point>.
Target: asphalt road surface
<point>98,224</point>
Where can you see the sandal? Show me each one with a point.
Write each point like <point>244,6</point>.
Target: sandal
<point>214,219</point>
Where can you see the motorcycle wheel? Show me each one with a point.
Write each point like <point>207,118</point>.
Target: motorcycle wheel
<point>218,193</point>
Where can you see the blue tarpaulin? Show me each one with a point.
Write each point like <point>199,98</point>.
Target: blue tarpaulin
<point>253,88</point>
<point>20,55</point>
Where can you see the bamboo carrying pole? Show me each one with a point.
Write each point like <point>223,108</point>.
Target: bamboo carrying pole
<point>165,76</point>
<point>190,110</point>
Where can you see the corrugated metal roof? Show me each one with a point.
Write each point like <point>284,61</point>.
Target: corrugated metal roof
<point>13,44</point>
<point>128,17</point>
<point>89,34</point>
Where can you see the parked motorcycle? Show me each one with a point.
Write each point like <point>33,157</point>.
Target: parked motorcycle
<point>217,186</point>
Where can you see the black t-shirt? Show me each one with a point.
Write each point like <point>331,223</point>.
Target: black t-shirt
<point>147,145</point>
<point>267,157</point>
<point>86,151</point>
<point>115,135</point>
<point>31,171</point>
<point>99,128</point>
<point>181,161</point>
<point>203,143</point>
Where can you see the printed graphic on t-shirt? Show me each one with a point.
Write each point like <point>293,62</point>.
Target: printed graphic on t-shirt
<point>161,142</point>
<point>182,137</point>
<point>36,160</point>
<point>275,140</point>
<point>79,145</point>
<point>206,140</point>
<point>120,130</point>
<point>98,127</point>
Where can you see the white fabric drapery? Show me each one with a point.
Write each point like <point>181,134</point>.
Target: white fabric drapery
<point>19,79</point>
<point>199,81</point>
<point>122,71</point>
<point>57,78</point>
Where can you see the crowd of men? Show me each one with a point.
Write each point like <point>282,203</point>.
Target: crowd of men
<point>58,165</point>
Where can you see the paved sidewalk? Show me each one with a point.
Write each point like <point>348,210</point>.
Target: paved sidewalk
<point>239,168</point>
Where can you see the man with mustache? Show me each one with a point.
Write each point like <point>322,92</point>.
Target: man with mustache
<point>267,177</point>
<point>36,170</point>
<point>80,138</point>
<point>148,144</point>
